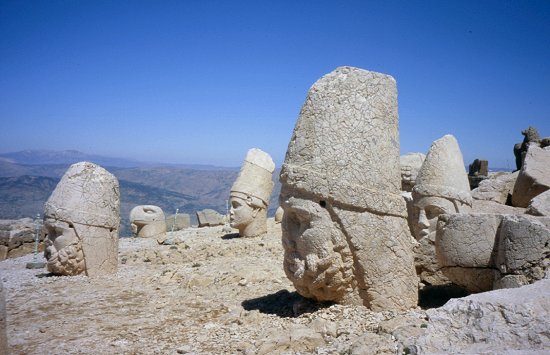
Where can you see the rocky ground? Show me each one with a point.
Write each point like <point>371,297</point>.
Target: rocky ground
<point>205,294</point>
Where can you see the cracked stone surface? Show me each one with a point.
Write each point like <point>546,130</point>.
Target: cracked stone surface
<point>345,231</point>
<point>81,220</point>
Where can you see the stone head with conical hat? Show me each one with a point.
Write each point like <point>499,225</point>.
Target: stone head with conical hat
<point>344,225</point>
<point>441,185</point>
<point>81,219</point>
<point>250,193</point>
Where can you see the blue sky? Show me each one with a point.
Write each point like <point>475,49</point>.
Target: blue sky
<point>204,81</point>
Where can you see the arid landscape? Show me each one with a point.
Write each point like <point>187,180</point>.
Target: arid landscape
<point>208,293</point>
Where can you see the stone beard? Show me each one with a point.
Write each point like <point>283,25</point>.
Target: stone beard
<point>317,258</point>
<point>328,258</point>
<point>63,248</point>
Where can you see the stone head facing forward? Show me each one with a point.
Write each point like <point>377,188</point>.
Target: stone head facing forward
<point>442,186</point>
<point>344,226</point>
<point>249,196</point>
<point>81,219</point>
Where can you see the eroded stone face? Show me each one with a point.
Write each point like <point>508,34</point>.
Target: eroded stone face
<point>81,219</point>
<point>344,224</point>
<point>147,221</point>
<point>63,248</point>
<point>250,193</point>
<point>242,213</point>
<point>429,209</point>
<point>441,186</point>
<point>317,256</point>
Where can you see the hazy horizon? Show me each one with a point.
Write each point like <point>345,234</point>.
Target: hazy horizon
<point>201,82</point>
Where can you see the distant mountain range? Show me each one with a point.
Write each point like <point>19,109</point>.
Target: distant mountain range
<point>67,157</point>
<point>28,178</point>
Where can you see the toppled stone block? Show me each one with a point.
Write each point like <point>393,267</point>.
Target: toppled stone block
<point>482,252</point>
<point>514,321</point>
<point>178,222</point>
<point>498,187</point>
<point>523,248</point>
<point>540,205</point>
<point>209,218</point>
<point>17,238</point>
<point>534,176</point>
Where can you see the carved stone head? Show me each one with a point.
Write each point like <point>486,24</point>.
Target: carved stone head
<point>249,196</point>
<point>441,186</point>
<point>81,219</point>
<point>147,221</point>
<point>344,225</point>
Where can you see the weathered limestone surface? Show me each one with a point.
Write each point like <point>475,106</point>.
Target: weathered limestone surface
<point>410,164</point>
<point>279,214</point>
<point>17,238</point>
<point>485,206</point>
<point>530,137</point>
<point>3,322</point>
<point>513,321</point>
<point>81,218</point>
<point>178,222</point>
<point>486,251</point>
<point>498,187</point>
<point>209,218</point>
<point>147,221</point>
<point>344,226</point>
<point>250,193</point>
<point>523,250</point>
<point>441,187</point>
<point>464,248</point>
<point>534,176</point>
<point>540,205</point>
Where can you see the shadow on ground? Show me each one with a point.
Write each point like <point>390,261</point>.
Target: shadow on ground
<point>284,304</point>
<point>230,236</point>
<point>437,295</point>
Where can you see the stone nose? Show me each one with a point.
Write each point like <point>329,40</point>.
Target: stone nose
<point>423,220</point>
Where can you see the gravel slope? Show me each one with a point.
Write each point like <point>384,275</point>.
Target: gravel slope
<point>205,294</point>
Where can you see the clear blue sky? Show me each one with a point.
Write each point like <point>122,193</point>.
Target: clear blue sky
<point>204,81</point>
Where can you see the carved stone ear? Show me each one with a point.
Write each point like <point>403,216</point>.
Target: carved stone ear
<point>255,212</point>
<point>249,200</point>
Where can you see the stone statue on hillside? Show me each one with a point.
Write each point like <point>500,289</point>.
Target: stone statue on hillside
<point>249,196</point>
<point>344,226</point>
<point>147,221</point>
<point>81,219</point>
<point>442,187</point>
<point>531,135</point>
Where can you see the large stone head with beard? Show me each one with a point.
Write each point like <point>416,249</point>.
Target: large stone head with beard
<point>81,219</point>
<point>345,232</point>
